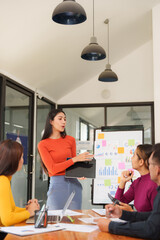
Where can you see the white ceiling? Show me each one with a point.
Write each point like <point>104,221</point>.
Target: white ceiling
<point>46,55</point>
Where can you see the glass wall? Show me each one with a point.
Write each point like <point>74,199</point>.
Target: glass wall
<point>75,116</point>
<point>16,127</point>
<point>131,115</point>
<point>41,181</point>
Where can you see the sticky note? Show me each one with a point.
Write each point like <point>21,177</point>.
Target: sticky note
<point>101,136</point>
<point>97,146</point>
<point>103,143</point>
<point>121,165</point>
<point>119,179</point>
<point>120,149</point>
<point>131,142</point>
<point>108,162</point>
<point>107,182</point>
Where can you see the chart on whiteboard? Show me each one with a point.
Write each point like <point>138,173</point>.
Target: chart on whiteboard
<point>113,152</point>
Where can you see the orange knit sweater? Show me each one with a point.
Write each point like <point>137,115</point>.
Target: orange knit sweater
<point>54,154</point>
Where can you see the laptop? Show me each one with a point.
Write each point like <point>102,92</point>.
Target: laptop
<point>56,218</point>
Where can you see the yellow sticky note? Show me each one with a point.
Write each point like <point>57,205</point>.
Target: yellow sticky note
<point>120,150</point>
<point>107,182</point>
<point>101,136</point>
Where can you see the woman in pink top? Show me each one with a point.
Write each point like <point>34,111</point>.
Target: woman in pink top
<point>143,189</point>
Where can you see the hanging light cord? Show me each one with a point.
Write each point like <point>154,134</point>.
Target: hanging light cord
<point>93,18</point>
<point>108,41</point>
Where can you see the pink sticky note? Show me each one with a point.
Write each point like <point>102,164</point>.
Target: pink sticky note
<point>121,165</point>
<point>103,143</point>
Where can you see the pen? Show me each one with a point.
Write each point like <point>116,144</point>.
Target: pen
<point>111,211</point>
<point>39,201</point>
<point>69,217</point>
<point>130,175</point>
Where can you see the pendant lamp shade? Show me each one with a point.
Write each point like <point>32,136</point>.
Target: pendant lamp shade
<point>108,75</point>
<point>93,51</point>
<point>69,13</point>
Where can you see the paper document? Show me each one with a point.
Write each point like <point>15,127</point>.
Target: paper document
<point>78,227</point>
<point>91,220</point>
<point>67,213</point>
<point>100,211</point>
<point>30,230</point>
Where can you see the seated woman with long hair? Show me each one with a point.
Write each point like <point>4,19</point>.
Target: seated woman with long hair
<point>11,161</point>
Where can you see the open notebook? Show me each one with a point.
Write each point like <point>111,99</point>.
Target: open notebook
<point>56,218</point>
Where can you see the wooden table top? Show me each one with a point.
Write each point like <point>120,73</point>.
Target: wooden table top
<point>68,235</point>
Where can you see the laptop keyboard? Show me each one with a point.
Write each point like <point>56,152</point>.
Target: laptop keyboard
<point>53,218</point>
<point>50,219</point>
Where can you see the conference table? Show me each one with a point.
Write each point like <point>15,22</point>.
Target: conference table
<point>71,235</point>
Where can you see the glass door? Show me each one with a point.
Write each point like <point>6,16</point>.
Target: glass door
<point>18,126</point>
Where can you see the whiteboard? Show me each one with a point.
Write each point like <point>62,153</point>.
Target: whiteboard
<point>113,149</point>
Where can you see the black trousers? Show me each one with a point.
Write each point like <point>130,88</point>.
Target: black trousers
<point>2,235</point>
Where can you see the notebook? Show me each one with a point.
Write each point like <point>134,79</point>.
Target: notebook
<point>56,218</point>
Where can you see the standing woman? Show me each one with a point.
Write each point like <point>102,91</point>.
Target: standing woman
<point>143,189</point>
<point>55,148</point>
<point>11,161</point>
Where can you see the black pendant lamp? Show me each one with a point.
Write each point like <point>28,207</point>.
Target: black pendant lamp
<point>108,75</point>
<point>93,51</point>
<point>69,13</point>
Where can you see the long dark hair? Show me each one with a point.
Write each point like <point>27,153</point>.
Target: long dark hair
<point>144,151</point>
<point>48,130</point>
<point>10,155</point>
<point>48,127</point>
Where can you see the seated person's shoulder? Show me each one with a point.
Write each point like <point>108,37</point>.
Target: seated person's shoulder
<point>152,185</point>
<point>4,181</point>
<point>4,178</point>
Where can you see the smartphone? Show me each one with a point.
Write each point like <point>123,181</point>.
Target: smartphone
<point>113,199</point>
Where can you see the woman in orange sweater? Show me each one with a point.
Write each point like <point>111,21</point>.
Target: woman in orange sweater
<point>11,160</point>
<point>58,152</point>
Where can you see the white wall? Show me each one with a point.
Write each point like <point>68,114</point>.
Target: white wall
<point>135,73</point>
<point>156,62</point>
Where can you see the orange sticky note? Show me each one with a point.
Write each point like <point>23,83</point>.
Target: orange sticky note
<point>119,179</point>
<point>101,136</point>
<point>121,150</point>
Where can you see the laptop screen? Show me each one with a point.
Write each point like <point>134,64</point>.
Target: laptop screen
<point>67,204</point>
